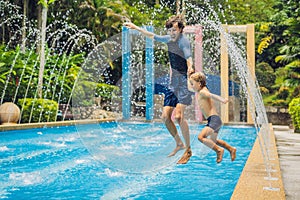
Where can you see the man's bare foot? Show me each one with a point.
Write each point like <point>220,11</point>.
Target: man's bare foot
<point>178,148</point>
<point>185,157</point>
<point>220,155</point>
<point>233,154</point>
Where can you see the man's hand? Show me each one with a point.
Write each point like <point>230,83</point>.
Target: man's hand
<point>130,25</point>
<point>190,71</point>
<point>225,101</point>
<point>143,31</point>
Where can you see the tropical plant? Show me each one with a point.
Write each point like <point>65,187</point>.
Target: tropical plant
<point>294,111</point>
<point>106,91</point>
<point>37,110</point>
<point>280,46</point>
<point>19,75</point>
<point>265,76</point>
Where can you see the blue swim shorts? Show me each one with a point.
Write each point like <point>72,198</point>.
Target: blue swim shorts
<point>178,92</point>
<point>214,122</point>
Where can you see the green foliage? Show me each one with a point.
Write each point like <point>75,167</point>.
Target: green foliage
<point>84,93</point>
<point>246,11</point>
<point>37,110</point>
<point>46,3</point>
<point>264,43</point>
<point>104,18</point>
<point>19,74</point>
<point>296,92</point>
<point>294,111</point>
<point>264,91</point>
<point>283,93</point>
<point>265,75</point>
<point>278,102</point>
<point>106,91</point>
<point>280,46</point>
<point>141,14</point>
<point>61,72</point>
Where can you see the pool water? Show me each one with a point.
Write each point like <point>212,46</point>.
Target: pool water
<point>69,162</point>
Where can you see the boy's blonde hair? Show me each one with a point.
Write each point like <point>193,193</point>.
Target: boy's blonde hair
<point>199,77</point>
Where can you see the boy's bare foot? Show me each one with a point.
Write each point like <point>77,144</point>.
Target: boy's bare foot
<point>233,154</point>
<point>178,148</point>
<point>185,157</point>
<point>220,155</point>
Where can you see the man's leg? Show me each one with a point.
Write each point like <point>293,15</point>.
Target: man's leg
<point>180,108</point>
<point>166,116</point>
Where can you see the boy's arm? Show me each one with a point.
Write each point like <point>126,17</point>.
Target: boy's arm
<point>215,97</point>
<point>143,31</point>
<point>218,98</point>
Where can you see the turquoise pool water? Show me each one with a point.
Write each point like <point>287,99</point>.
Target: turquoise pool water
<point>88,162</point>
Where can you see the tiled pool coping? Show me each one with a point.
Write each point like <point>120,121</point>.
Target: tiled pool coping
<point>252,181</point>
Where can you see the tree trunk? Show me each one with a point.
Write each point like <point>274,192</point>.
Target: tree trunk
<point>39,26</point>
<point>25,8</point>
<point>183,10</point>
<point>3,34</point>
<point>178,2</point>
<point>180,8</point>
<point>42,50</point>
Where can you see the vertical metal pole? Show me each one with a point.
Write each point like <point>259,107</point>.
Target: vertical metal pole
<point>126,79</point>
<point>149,76</point>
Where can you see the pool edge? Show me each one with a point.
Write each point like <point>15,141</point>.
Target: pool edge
<point>252,181</point>
<point>8,127</point>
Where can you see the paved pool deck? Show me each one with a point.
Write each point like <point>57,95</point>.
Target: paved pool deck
<point>288,147</point>
<point>283,180</point>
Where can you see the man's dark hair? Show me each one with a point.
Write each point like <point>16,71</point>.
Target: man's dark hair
<point>172,20</point>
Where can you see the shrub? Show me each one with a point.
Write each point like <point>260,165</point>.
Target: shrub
<point>283,93</point>
<point>296,92</point>
<point>278,102</point>
<point>106,91</point>
<point>38,110</point>
<point>294,111</point>
<point>83,94</point>
<point>264,91</point>
<point>265,75</point>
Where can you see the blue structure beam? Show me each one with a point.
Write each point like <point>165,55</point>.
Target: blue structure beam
<point>126,74</point>
<point>126,79</point>
<point>149,76</point>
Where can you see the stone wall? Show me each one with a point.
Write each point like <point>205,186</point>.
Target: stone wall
<point>278,115</point>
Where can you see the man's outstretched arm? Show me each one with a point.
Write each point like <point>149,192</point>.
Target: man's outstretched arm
<point>143,31</point>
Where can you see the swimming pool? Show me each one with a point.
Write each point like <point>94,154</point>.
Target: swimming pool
<point>62,163</point>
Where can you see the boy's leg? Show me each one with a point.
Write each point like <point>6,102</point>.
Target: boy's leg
<point>231,149</point>
<point>202,137</point>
